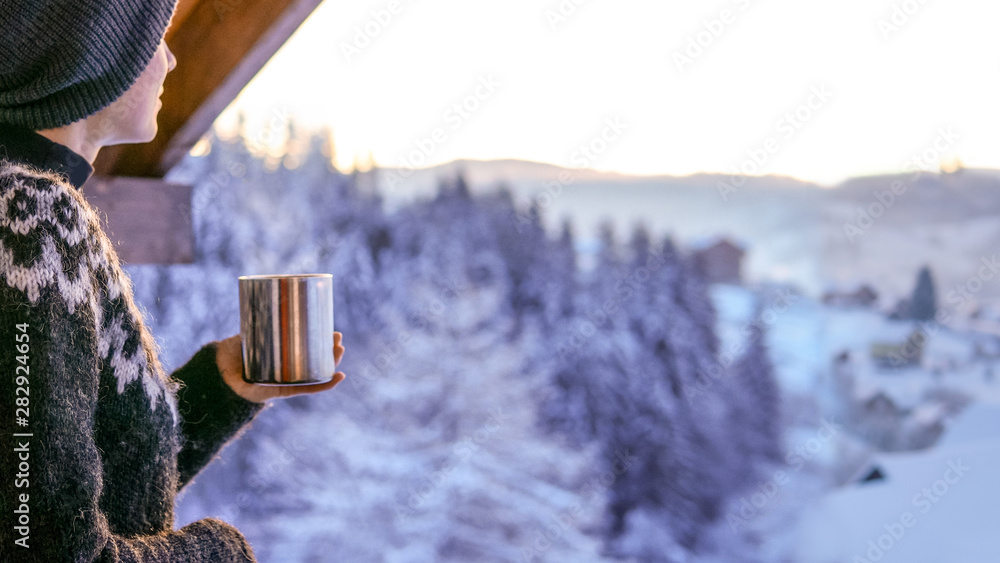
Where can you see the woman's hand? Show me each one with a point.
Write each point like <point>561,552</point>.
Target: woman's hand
<point>229,358</point>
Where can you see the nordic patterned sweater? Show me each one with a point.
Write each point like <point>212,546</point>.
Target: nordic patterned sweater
<point>95,439</point>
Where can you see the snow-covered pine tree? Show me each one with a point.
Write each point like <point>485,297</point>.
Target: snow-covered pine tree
<point>684,477</point>
<point>626,386</point>
<point>923,304</point>
<point>754,415</point>
<point>763,394</point>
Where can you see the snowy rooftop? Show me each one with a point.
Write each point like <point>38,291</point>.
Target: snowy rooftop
<point>933,505</point>
<point>707,241</point>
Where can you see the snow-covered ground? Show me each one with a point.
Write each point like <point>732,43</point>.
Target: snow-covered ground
<point>930,505</point>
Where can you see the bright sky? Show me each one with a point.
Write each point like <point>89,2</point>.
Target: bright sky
<point>548,85</point>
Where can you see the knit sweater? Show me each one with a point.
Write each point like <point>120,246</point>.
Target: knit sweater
<point>95,439</point>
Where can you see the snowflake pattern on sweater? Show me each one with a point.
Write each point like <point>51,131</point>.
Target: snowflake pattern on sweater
<point>42,213</point>
<point>113,437</point>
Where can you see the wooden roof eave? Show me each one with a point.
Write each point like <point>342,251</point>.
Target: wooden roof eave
<point>220,46</point>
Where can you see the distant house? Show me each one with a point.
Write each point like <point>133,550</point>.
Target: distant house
<point>861,296</point>
<point>719,260</point>
<point>881,405</point>
<point>899,354</point>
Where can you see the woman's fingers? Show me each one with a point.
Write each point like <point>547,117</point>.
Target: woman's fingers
<point>231,364</point>
<point>338,349</point>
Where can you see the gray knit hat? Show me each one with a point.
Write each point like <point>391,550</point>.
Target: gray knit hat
<point>63,60</point>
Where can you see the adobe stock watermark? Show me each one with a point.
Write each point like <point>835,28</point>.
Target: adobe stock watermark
<point>959,296</point>
<point>624,289</point>
<point>276,468</point>
<point>561,13</point>
<point>918,163</point>
<point>543,539</point>
<point>962,294</point>
<point>899,16</point>
<point>712,29</point>
<point>309,262</point>
<point>923,502</point>
<point>366,33</point>
<point>461,451</point>
<point>917,341</point>
<point>765,492</point>
<point>123,111</point>
<point>786,127</point>
<point>455,117</point>
<point>264,475</point>
<point>231,168</point>
<point>223,7</point>
<point>751,331</point>
<point>583,156</point>
<point>393,349</point>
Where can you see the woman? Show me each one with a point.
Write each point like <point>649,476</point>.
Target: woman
<point>95,439</point>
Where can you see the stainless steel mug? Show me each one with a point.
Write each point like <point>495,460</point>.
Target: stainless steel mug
<point>286,328</point>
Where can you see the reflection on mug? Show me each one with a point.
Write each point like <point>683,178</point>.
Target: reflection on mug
<point>286,328</point>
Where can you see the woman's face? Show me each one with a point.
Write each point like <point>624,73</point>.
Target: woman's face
<point>132,117</point>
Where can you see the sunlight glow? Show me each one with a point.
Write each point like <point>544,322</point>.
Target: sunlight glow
<point>700,87</point>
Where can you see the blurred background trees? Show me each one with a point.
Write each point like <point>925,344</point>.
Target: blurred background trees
<point>501,403</point>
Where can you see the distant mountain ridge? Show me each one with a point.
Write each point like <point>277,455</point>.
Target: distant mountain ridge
<point>797,231</point>
<point>486,174</point>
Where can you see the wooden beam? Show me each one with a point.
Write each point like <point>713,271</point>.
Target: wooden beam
<point>220,46</point>
<point>148,220</point>
<point>181,13</point>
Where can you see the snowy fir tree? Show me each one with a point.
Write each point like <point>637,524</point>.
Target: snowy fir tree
<point>923,304</point>
<point>754,420</point>
<point>639,376</point>
<point>501,404</point>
